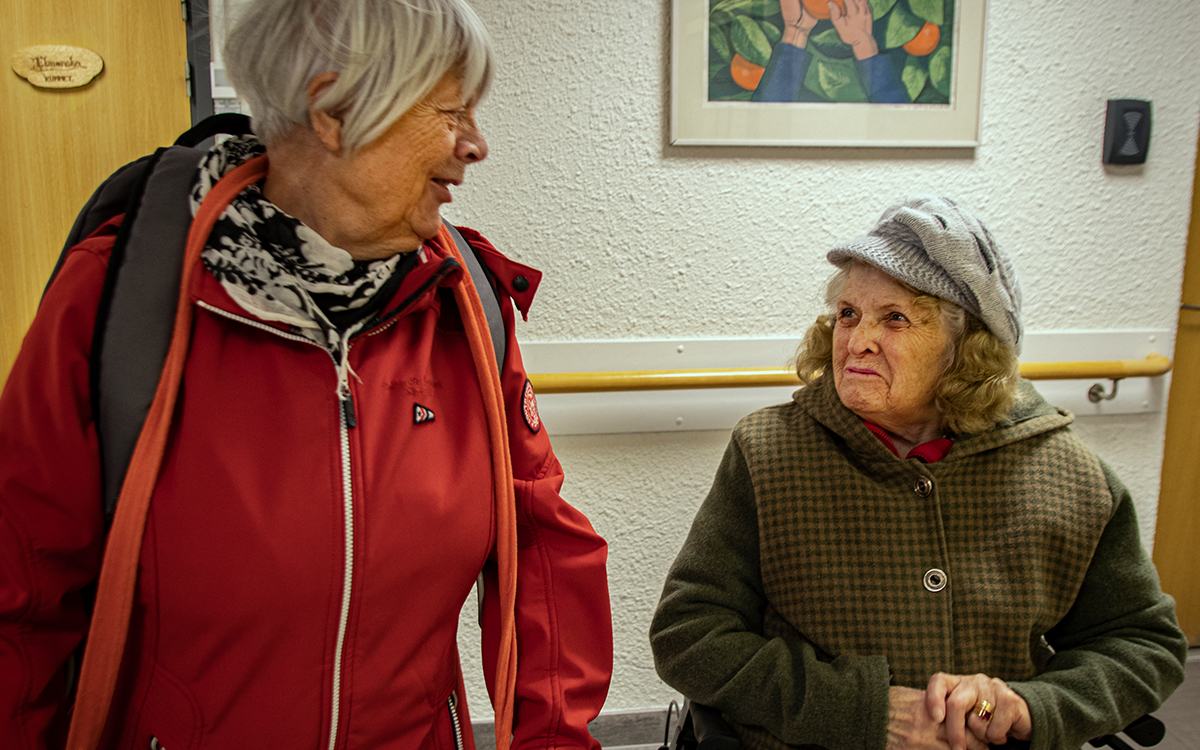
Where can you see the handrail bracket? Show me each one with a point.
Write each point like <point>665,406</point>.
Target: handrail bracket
<point>1096,393</point>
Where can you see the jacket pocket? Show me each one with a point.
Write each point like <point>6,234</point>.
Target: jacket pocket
<point>455,721</point>
<point>447,730</point>
<point>445,679</point>
<point>170,717</point>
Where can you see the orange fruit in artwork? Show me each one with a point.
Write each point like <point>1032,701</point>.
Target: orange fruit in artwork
<point>820,8</point>
<point>745,73</point>
<point>925,41</point>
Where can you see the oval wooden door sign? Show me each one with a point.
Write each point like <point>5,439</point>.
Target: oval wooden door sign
<point>57,66</point>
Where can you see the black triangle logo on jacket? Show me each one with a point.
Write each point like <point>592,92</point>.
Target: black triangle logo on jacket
<point>422,414</point>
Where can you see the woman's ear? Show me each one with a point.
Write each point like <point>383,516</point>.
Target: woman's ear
<point>327,125</point>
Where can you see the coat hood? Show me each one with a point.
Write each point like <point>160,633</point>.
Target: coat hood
<point>1030,415</point>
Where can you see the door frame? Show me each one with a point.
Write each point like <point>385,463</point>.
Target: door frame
<point>1177,532</point>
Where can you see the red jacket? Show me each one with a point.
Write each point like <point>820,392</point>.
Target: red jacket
<point>238,637</point>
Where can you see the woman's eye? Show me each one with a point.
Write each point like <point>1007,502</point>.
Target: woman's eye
<point>896,317</point>
<point>845,313</point>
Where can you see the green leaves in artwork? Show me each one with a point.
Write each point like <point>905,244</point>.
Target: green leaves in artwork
<point>739,26</point>
<point>750,40</point>
<point>756,8</point>
<point>902,27</point>
<point>835,80</point>
<point>719,41</point>
<point>930,95</point>
<point>939,69</point>
<point>830,44</point>
<point>840,82</point>
<point>914,75</point>
<point>928,10</point>
<point>879,8</point>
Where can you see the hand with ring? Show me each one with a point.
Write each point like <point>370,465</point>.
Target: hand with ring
<point>910,726</point>
<point>985,707</point>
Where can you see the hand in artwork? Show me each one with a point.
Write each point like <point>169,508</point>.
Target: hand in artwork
<point>911,726</point>
<point>955,700</point>
<point>797,22</point>
<point>854,27</point>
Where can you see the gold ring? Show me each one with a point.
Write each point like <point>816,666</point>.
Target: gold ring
<point>983,709</point>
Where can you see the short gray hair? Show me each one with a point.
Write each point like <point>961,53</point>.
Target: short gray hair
<point>388,55</point>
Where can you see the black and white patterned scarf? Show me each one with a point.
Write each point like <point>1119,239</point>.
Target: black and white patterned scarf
<point>274,266</point>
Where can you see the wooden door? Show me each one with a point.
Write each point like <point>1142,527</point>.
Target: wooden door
<point>1177,537</point>
<point>56,145</point>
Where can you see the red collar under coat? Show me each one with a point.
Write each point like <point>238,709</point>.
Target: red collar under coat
<point>930,453</point>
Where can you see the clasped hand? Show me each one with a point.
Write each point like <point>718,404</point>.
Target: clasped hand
<point>945,714</point>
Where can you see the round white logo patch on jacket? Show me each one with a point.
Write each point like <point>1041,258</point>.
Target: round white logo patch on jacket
<point>529,408</point>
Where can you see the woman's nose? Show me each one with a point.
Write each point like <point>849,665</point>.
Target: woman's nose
<point>471,146</point>
<point>864,338</point>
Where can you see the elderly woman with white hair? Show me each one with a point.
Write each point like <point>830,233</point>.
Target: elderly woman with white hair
<point>917,552</point>
<point>346,457</point>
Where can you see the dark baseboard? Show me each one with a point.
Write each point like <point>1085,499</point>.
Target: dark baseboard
<point>611,729</point>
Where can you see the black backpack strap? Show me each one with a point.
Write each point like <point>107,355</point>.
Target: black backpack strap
<point>108,200</point>
<point>141,292</point>
<point>491,302</point>
<point>226,123</point>
<point>113,195</point>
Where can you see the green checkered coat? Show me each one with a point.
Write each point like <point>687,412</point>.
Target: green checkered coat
<point>821,569</point>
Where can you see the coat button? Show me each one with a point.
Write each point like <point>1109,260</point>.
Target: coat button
<point>935,579</point>
<point>923,486</point>
<point>520,283</point>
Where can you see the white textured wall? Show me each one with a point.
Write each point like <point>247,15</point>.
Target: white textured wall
<point>639,239</point>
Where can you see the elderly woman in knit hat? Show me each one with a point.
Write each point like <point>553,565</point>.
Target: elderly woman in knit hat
<point>917,552</point>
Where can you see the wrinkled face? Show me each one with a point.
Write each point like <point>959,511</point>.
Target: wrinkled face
<point>887,354</point>
<point>405,175</point>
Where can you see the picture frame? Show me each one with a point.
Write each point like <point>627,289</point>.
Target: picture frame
<point>712,106</point>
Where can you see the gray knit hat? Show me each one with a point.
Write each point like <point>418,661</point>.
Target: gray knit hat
<point>935,245</point>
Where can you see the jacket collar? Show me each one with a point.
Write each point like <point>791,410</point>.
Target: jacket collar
<point>518,281</point>
<point>1030,415</point>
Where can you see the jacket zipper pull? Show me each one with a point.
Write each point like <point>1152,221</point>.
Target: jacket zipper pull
<point>347,404</point>
<point>341,363</point>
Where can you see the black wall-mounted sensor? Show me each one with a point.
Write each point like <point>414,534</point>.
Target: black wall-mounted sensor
<point>1126,131</point>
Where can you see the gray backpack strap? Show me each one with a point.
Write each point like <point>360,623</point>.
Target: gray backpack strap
<point>483,284</point>
<point>109,199</point>
<point>143,293</point>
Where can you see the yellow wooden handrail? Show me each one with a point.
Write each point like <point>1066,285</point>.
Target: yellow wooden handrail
<point>746,377</point>
<point>1150,367</point>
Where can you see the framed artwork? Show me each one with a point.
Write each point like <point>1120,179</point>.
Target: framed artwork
<point>901,73</point>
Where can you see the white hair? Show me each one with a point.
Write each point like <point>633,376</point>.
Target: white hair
<point>388,55</point>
